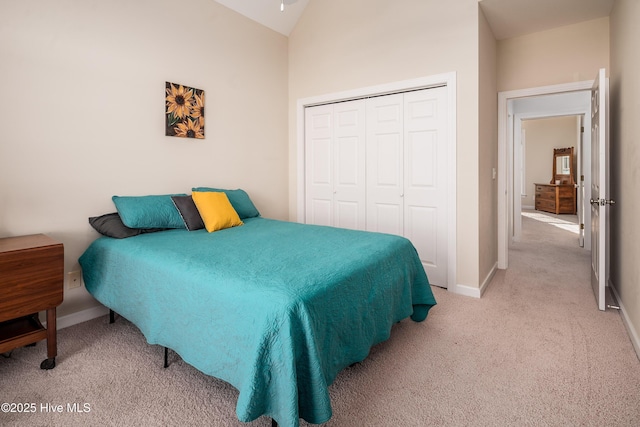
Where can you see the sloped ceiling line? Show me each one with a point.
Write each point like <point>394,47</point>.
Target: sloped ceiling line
<point>507,18</point>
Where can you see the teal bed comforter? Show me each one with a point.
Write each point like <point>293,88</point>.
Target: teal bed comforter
<point>277,309</point>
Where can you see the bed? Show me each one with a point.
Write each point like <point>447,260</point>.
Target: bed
<point>277,309</point>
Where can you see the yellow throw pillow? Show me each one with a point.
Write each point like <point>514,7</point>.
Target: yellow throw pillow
<point>216,210</point>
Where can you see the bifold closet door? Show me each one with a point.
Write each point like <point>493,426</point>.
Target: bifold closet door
<point>380,164</point>
<point>406,173</point>
<point>335,165</point>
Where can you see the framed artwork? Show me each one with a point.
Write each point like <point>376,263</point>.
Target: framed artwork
<point>184,111</point>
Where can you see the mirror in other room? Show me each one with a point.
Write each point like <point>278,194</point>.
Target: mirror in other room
<point>563,166</point>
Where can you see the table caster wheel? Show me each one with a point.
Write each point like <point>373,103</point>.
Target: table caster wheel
<point>49,363</point>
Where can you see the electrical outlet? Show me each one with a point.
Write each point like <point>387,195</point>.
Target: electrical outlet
<point>74,279</point>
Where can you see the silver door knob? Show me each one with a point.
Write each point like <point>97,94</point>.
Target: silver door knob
<point>602,202</point>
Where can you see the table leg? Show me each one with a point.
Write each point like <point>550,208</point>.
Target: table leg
<point>52,347</point>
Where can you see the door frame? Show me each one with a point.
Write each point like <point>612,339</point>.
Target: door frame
<point>505,154</point>
<point>444,79</point>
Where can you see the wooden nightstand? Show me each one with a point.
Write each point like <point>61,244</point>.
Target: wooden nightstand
<point>31,280</point>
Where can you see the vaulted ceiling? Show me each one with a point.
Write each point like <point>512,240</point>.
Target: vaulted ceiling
<point>507,18</point>
<point>267,12</point>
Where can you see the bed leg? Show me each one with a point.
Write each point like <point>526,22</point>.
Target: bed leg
<point>274,423</point>
<point>166,357</point>
<point>112,316</point>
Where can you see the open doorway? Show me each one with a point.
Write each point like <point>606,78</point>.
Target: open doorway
<point>513,108</point>
<point>540,138</point>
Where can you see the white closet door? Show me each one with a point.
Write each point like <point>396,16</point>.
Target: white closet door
<point>385,188</point>
<point>381,164</point>
<point>349,165</point>
<point>335,165</point>
<point>425,179</point>
<point>318,165</point>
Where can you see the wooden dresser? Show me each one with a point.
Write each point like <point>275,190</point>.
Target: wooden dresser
<point>556,198</point>
<point>31,280</point>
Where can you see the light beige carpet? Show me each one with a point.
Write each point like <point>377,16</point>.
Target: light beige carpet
<point>533,351</point>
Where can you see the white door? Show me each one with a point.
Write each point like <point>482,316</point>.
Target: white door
<point>425,179</point>
<point>580,205</point>
<point>519,147</point>
<point>385,158</point>
<point>407,173</point>
<point>318,165</point>
<point>599,189</point>
<point>335,165</point>
<point>349,165</point>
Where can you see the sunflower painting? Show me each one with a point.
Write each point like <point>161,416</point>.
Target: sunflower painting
<point>184,111</point>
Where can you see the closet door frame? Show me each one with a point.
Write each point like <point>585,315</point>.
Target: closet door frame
<point>445,79</point>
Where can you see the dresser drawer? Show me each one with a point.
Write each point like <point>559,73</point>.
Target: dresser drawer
<point>545,205</point>
<point>545,189</point>
<point>546,195</point>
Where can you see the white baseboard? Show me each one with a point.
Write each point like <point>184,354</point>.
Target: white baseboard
<point>472,291</point>
<point>468,291</point>
<point>79,317</point>
<point>633,334</point>
<point>487,280</point>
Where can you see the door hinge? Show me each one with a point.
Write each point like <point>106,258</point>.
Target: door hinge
<point>581,177</point>
<point>582,129</point>
<point>581,226</point>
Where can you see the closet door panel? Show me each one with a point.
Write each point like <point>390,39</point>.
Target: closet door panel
<point>349,165</point>
<point>318,165</point>
<point>388,161</point>
<point>421,225</point>
<point>421,218</point>
<point>349,205</point>
<point>320,212</point>
<point>421,152</point>
<point>385,218</point>
<point>385,206</point>
<point>425,179</point>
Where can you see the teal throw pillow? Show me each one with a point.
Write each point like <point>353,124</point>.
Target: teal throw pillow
<point>155,211</point>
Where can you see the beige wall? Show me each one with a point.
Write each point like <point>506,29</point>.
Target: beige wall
<point>487,152</point>
<point>625,160</point>
<point>339,46</point>
<point>542,136</point>
<point>83,84</point>
<point>562,55</point>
